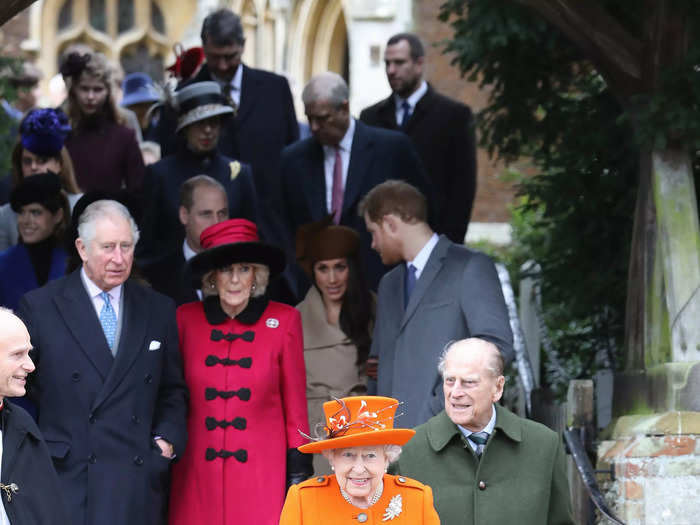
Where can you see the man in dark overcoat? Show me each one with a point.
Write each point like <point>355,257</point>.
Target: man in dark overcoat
<point>486,465</point>
<point>108,385</point>
<point>441,129</point>
<point>29,488</point>
<point>333,169</point>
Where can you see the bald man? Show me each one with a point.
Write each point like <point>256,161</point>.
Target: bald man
<point>341,162</point>
<point>29,487</point>
<point>486,465</point>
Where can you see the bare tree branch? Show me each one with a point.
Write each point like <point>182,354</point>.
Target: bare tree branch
<point>614,51</point>
<point>9,8</point>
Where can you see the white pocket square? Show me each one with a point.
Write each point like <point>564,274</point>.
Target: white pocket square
<point>155,345</point>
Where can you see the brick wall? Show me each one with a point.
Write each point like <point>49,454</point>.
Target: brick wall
<point>657,476</point>
<point>493,195</point>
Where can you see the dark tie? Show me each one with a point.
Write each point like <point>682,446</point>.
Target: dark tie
<point>410,283</point>
<point>406,114</point>
<point>479,439</point>
<point>227,91</point>
<point>337,191</point>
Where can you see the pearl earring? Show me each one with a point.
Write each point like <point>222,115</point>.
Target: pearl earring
<point>332,468</point>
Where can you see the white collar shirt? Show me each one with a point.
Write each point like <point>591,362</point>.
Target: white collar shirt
<point>344,148</point>
<point>421,259</point>
<point>94,292</point>
<point>412,100</point>
<point>488,429</point>
<point>235,83</point>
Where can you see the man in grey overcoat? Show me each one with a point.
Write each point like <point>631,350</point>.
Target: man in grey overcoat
<point>486,465</point>
<point>438,292</point>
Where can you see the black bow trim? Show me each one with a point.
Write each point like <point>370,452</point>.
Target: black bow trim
<point>239,423</point>
<point>243,362</point>
<point>250,315</point>
<point>218,335</point>
<point>212,393</point>
<point>240,454</point>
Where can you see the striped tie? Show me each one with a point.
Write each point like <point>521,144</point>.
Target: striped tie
<point>479,439</point>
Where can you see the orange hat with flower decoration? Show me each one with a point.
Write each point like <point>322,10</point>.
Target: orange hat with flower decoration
<point>359,421</point>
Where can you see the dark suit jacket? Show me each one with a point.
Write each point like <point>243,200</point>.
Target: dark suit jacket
<point>99,413</point>
<point>377,155</point>
<point>458,295</point>
<point>442,131</point>
<point>169,276</point>
<point>26,462</point>
<point>161,225</point>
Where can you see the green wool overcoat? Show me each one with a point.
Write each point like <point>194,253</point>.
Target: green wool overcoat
<point>520,479</point>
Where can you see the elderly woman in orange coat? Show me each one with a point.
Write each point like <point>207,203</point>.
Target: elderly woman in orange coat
<point>360,443</point>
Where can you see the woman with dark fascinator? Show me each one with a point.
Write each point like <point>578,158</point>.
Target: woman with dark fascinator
<point>337,315</point>
<point>104,150</point>
<point>42,213</point>
<point>40,149</point>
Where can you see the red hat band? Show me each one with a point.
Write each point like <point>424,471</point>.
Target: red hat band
<point>229,232</point>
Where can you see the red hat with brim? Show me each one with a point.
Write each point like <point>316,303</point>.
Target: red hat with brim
<point>234,241</point>
<point>359,421</point>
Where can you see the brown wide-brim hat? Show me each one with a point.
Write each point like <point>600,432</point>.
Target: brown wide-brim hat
<point>360,421</point>
<point>234,241</point>
<point>322,240</point>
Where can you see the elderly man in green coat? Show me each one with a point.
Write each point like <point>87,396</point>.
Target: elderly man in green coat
<point>486,465</point>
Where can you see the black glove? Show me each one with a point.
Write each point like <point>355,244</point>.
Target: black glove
<point>299,467</point>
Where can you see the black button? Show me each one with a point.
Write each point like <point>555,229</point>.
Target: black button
<point>75,376</point>
<point>482,485</point>
<point>138,460</point>
<point>135,420</point>
<point>92,459</point>
<point>148,379</point>
<point>91,418</point>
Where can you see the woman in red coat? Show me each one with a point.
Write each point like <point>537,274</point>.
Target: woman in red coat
<point>244,365</point>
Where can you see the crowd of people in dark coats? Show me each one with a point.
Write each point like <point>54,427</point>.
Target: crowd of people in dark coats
<point>154,246</point>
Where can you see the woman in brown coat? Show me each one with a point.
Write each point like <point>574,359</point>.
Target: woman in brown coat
<point>337,315</point>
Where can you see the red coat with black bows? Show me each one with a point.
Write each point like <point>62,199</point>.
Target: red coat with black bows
<point>247,386</point>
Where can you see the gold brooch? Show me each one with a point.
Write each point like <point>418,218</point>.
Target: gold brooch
<point>235,169</point>
<point>10,489</point>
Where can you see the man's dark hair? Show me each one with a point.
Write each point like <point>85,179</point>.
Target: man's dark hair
<point>191,184</point>
<point>414,43</point>
<point>222,28</point>
<point>394,197</point>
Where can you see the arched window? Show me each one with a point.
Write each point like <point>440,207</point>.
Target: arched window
<point>139,34</point>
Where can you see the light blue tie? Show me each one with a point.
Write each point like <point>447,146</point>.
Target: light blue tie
<point>108,320</point>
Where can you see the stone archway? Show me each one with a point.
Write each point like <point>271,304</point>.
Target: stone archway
<point>318,41</point>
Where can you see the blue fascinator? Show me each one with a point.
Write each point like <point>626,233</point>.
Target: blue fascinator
<point>44,131</point>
